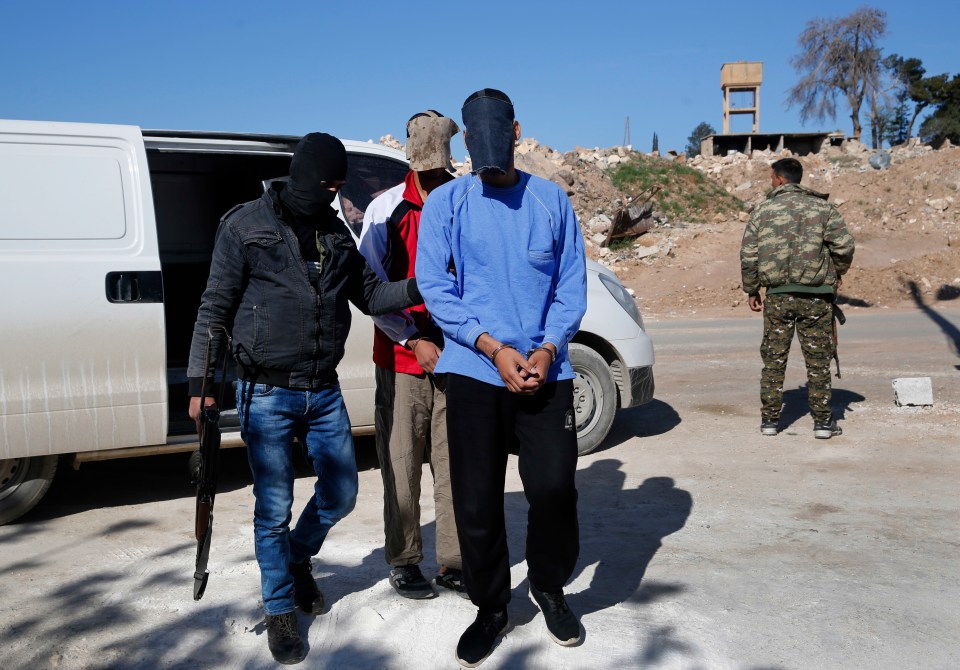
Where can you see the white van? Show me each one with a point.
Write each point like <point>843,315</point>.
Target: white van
<point>106,235</point>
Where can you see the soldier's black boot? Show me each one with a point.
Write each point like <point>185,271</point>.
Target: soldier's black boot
<point>284,639</point>
<point>824,430</point>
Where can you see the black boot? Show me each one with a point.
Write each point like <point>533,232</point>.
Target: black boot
<point>824,430</point>
<point>306,594</point>
<point>284,639</point>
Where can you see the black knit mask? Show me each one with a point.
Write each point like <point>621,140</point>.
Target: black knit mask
<point>318,160</point>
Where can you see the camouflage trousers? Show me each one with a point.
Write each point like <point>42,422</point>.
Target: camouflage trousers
<point>812,317</point>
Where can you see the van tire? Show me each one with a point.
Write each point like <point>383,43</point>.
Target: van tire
<point>23,482</point>
<point>594,397</point>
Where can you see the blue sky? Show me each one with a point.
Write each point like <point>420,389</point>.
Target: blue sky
<point>575,70</point>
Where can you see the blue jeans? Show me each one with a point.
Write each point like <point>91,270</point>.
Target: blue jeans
<point>270,418</point>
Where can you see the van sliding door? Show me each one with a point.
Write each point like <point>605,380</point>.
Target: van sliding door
<point>82,358</point>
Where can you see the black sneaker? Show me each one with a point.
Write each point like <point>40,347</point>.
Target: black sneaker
<point>306,594</point>
<point>478,640</point>
<point>769,427</point>
<point>451,578</point>
<point>410,582</point>
<point>284,639</point>
<point>824,430</point>
<point>562,624</point>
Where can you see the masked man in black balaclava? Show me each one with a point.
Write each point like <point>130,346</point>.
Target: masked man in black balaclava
<point>283,270</point>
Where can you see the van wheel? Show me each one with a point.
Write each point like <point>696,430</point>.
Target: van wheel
<point>23,482</point>
<point>594,397</point>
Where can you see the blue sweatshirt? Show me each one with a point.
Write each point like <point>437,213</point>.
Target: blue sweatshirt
<point>520,270</point>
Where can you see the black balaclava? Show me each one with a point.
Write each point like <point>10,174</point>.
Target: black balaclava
<point>488,120</point>
<point>318,158</point>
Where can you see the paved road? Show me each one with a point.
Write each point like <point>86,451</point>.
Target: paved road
<point>704,544</point>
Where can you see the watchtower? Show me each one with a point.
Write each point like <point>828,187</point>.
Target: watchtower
<point>741,77</point>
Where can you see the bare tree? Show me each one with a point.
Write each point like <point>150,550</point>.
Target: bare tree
<point>838,57</point>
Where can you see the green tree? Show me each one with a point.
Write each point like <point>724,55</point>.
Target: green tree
<point>888,103</point>
<point>896,132</point>
<point>925,92</point>
<point>693,142</point>
<point>838,57</point>
<point>656,144</point>
<point>944,123</point>
<point>922,91</point>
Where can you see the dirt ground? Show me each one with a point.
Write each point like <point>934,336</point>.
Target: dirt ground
<point>703,543</point>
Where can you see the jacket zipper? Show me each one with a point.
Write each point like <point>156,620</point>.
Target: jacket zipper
<point>319,311</point>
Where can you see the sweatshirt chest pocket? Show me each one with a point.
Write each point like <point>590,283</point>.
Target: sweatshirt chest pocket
<point>266,250</point>
<point>541,261</point>
<point>540,249</point>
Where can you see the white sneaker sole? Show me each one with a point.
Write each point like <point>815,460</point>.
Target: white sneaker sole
<point>566,643</point>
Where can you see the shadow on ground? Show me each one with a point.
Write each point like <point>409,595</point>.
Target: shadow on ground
<point>67,623</point>
<point>131,481</point>
<point>795,405</point>
<point>946,292</point>
<point>146,479</point>
<point>621,530</point>
<point>654,418</point>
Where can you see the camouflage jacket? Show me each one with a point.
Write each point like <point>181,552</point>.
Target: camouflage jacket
<point>794,237</point>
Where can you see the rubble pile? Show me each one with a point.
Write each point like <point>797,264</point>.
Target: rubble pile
<point>919,186</point>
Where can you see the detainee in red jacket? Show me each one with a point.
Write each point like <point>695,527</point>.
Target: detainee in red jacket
<point>410,404</point>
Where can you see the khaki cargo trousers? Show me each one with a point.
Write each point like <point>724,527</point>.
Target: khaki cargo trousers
<point>411,423</point>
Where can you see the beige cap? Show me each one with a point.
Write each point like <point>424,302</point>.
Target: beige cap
<point>428,141</point>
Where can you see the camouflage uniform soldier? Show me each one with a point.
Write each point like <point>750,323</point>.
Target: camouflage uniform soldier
<point>797,247</point>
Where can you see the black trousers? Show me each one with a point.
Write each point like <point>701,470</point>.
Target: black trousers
<point>483,422</point>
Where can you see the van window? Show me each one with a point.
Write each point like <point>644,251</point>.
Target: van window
<point>367,177</point>
<point>61,193</point>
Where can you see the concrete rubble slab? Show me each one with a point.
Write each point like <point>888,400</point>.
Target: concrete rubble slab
<point>913,391</point>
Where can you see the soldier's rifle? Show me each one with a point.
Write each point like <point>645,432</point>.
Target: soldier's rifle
<point>838,317</point>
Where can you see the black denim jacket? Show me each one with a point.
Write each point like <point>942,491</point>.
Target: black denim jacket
<point>286,330</point>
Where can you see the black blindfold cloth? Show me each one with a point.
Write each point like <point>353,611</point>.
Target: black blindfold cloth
<point>489,125</point>
<point>318,159</point>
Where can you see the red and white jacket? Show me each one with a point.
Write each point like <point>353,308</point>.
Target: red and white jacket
<point>392,255</point>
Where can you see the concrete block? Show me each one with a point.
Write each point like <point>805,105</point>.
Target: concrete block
<point>916,391</point>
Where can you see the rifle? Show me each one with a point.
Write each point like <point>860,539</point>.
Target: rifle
<point>838,316</point>
<point>204,461</point>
